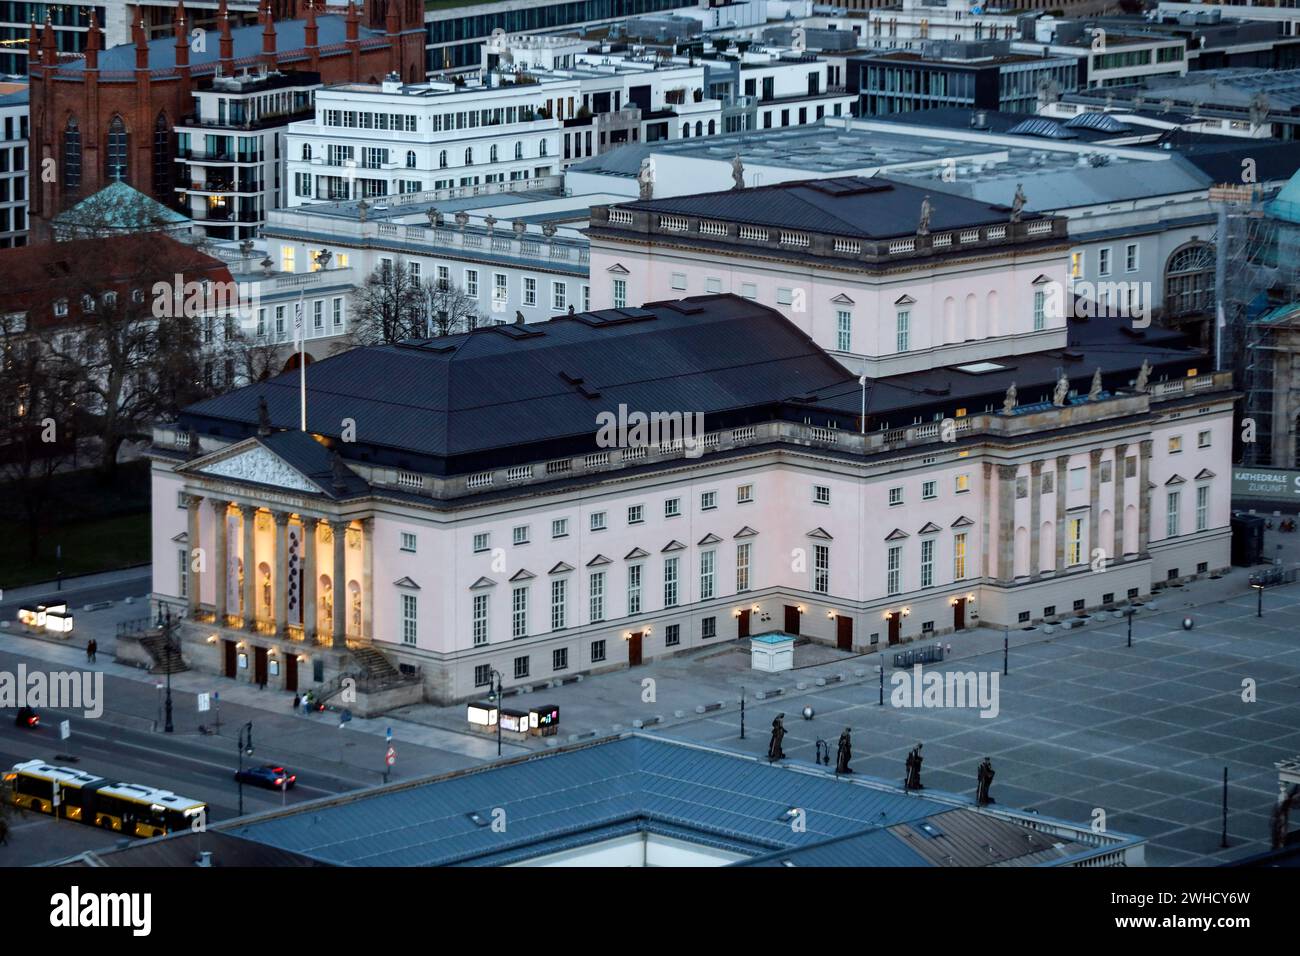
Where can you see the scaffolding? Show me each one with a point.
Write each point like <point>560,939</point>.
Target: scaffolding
<point>1257,291</point>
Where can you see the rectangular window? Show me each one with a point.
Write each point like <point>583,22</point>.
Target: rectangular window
<point>1074,540</point>
<point>743,552</point>
<point>560,659</point>
<point>519,612</point>
<point>1203,439</point>
<point>635,514</point>
<point>1040,310</point>
<point>894,570</point>
<point>708,628</point>
<point>708,500</point>
<point>672,507</point>
<point>821,495</point>
<point>744,494</point>
<point>596,521</point>
<point>500,288</point>
<point>596,593</point>
<point>1130,466</point>
<point>927,563</point>
<point>785,296</point>
<point>958,557</point>
<point>408,618</point>
<point>929,489</point>
<point>1107,470</point>
<point>895,496</point>
<point>560,528</point>
<point>559,604</point>
<point>471,283</point>
<point>408,542</point>
<point>597,651</point>
<point>482,675</point>
<point>521,667</point>
<point>318,315</point>
<point>559,296</point>
<point>182,559</point>
<point>1175,444</point>
<point>961,484</point>
<point>1078,477</point>
<point>1131,257</point>
<point>633,589</point>
<point>481,541</point>
<point>1202,507</point>
<point>712,285</point>
<point>672,635</point>
<point>844,331</point>
<point>519,535</point>
<point>748,290</point>
<point>903,333</point>
<point>530,291</point>
<point>670,581</point>
<point>1172,524</point>
<point>620,293</point>
<point>480,618</point>
<point>1103,262</point>
<point>286,258</point>
<point>337,311</point>
<point>821,568</point>
<point>708,564</point>
<point>678,281</point>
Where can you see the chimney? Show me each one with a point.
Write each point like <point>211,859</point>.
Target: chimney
<point>311,34</point>
<point>227,64</point>
<point>180,28</point>
<point>268,39</point>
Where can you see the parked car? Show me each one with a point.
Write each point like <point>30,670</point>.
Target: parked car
<point>267,775</point>
<point>27,718</point>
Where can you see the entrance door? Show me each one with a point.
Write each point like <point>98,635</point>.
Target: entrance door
<point>634,649</point>
<point>895,627</point>
<point>259,666</point>
<point>959,615</point>
<point>742,624</point>
<point>791,619</point>
<point>291,672</point>
<point>230,658</point>
<point>844,633</point>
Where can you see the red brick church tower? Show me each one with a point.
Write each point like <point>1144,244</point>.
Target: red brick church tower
<point>110,114</point>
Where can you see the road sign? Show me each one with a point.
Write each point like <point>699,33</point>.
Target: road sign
<point>204,703</point>
<point>65,729</point>
<point>391,758</point>
<point>388,735</point>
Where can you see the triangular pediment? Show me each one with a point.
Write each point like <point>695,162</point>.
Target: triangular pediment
<point>673,545</point>
<point>618,270</point>
<point>1041,280</point>
<point>482,583</point>
<point>745,532</point>
<point>635,554</point>
<point>962,522</point>
<point>904,300</point>
<point>406,583</point>
<point>1204,474</point>
<point>523,574</point>
<point>710,539</point>
<point>930,528</point>
<point>561,568</point>
<point>820,533</point>
<point>897,535</point>
<point>842,299</point>
<point>598,560</point>
<point>1176,480</point>
<point>182,538</point>
<point>252,462</point>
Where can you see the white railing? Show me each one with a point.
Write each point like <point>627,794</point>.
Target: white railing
<point>710,228</point>
<point>620,217</point>
<point>795,239</point>
<point>850,246</point>
<point>997,232</point>
<point>828,435</point>
<point>634,454</point>
<point>481,480</point>
<point>409,479</point>
<point>674,223</point>
<point>942,240</point>
<point>969,235</point>
<point>744,434</point>
<point>902,245</point>
<point>519,473</point>
<point>1039,227</point>
<point>598,460</point>
<point>753,232</point>
<point>559,466</point>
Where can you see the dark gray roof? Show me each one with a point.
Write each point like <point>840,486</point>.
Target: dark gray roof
<point>848,206</point>
<point>182,849</point>
<point>584,794</point>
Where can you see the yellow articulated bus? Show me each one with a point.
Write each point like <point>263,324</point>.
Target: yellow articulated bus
<point>128,808</point>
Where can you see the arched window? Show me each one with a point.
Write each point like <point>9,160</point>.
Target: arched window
<point>162,159</point>
<point>72,155</point>
<point>699,128</point>
<point>306,151</point>
<point>1189,280</point>
<point>541,148</point>
<point>442,159</point>
<point>686,131</point>
<point>115,157</point>
<point>469,156</point>
<point>410,159</point>
<point>492,154</point>
<point>519,150</point>
<point>712,127</point>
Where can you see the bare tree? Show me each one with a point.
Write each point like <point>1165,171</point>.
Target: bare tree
<point>447,309</point>
<point>386,308</point>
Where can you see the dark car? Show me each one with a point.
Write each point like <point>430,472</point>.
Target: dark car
<point>267,775</point>
<point>27,718</point>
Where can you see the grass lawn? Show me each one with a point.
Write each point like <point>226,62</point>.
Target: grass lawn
<point>102,544</point>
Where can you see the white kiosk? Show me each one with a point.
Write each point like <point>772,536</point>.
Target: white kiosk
<point>772,652</point>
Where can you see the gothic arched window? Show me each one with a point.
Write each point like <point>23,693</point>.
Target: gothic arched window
<point>72,155</point>
<point>162,159</point>
<point>115,157</point>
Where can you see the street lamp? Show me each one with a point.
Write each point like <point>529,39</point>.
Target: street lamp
<point>1128,613</point>
<point>166,627</point>
<point>245,747</point>
<point>495,697</point>
<point>1259,592</point>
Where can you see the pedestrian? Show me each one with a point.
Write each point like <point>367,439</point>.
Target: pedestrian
<point>296,701</point>
<point>90,649</point>
<point>94,650</point>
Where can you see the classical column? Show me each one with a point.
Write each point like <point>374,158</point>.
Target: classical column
<point>1144,497</point>
<point>367,579</point>
<point>248,514</point>
<point>192,579</point>
<point>1062,489</point>
<point>1006,523</point>
<point>219,560</point>
<point>986,547</point>
<point>1094,506</point>
<point>280,582</point>
<point>1035,516</point>
<point>309,577</point>
<point>339,529</point>
<point>1117,474</point>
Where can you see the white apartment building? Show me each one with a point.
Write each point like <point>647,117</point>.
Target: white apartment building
<point>14,154</point>
<point>229,150</point>
<point>1107,58</point>
<point>368,141</point>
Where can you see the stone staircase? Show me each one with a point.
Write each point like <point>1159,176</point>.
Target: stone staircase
<point>374,666</point>
<point>166,655</point>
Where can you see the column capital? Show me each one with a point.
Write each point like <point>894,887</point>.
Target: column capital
<point>1036,467</point>
<point>192,501</point>
<point>219,506</point>
<point>1120,449</point>
<point>1146,445</point>
<point>1062,462</point>
<point>1095,456</point>
<point>1007,472</point>
<point>281,517</point>
<point>247,510</point>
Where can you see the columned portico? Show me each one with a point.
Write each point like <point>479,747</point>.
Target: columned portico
<point>194,558</point>
<point>1062,475</point>
<point>1144,497</point>
<point>1094,504</point>
<point>1035,517</point>
<point>309,572</point>
<point>220,560</point>
<point>1121,490</point>
<point>338,573</point>
<point>248,612</point>
<point>280,577</point>
<point>1006,523</point>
